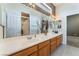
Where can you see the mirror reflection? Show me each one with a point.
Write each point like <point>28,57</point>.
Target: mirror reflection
<point>24,19</point>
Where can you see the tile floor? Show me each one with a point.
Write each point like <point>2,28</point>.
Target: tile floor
<point>66,50</point>
<point>73,40</point>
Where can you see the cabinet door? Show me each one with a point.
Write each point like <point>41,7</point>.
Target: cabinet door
<point>59,40</point>
<point>53,44</point>
<point>53,47</point>
<point>45,51</point>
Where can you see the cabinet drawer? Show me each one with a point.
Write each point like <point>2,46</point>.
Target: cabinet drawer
<point>59,40</point>
<point>26,52</point>
<point>53,42</point>
<point>41,45</point>
<point>53,39</point>
<point>59,37</point>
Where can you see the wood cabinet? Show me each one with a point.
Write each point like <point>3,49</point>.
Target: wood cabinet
<point>26,52</point>
<point>44,48</point>
<point>59,40</point>
<point>34,54</point>
<point>53,44</point>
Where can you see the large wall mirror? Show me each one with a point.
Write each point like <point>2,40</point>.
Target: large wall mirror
<point>23,20</point>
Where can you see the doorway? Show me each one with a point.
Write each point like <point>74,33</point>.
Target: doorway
<point>73,30</point>
<point>25,24</point>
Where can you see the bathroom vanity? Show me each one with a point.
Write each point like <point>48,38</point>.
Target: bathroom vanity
<point>27,32</point>
<point>41,45</point>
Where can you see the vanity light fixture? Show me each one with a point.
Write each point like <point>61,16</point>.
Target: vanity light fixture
<point>52,16</point>
<point>32,5</point>
<point>56,18</point>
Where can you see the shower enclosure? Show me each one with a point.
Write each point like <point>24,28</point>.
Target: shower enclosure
<point>73,30</point>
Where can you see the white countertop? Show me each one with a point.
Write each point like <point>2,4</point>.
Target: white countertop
<point>12,45</point>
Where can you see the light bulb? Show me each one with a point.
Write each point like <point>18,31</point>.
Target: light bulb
<point>30,3</point>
